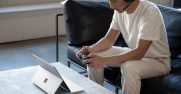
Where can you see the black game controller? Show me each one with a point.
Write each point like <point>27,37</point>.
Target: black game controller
<point>84,56</point>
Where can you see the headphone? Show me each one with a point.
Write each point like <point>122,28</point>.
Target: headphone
<point>129,0</point>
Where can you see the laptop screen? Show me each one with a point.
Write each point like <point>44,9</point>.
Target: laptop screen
<point>47,66</point>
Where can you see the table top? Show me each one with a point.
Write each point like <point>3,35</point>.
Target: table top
<point>18,81</point>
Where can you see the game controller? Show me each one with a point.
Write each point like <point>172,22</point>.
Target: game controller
<point>84,56</point>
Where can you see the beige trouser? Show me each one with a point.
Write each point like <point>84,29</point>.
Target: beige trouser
<point>132,71</point>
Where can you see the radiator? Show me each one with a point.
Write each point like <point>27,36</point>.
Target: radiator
<point>29,21</point>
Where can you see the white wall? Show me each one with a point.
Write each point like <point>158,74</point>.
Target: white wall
<point>29,22</point>
<point>6,3</point>
<point>29,28</point>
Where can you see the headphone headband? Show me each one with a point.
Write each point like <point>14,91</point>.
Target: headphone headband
<point>129,0</point>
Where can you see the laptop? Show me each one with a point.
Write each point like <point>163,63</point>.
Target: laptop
<point>49,80</point>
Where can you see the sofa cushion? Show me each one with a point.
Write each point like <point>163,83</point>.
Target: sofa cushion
<point>172,19</point>
<point>169,84</point>
<point>177,3</point>
<point>176,65</point>
<point>77,12</point>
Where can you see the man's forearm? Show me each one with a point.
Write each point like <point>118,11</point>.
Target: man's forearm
<point>101,45</point>
<point>106,42</point>
<point>131,55</point>
<point>134,54</point>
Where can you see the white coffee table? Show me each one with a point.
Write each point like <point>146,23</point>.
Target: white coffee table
<point>18,81</point>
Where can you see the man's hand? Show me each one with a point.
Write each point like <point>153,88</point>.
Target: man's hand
<point>85,49</point>
<point>95,61</point>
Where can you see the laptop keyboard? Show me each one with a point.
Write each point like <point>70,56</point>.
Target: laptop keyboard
<point>61,91</point>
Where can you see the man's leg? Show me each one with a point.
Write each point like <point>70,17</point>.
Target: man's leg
<point>97,75</point>
<point>134,71</point>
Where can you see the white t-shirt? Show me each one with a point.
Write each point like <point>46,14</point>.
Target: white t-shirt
<point>145,23</point>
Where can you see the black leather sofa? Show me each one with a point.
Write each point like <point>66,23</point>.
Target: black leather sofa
<point>87,21</point>
<point>177,3</point>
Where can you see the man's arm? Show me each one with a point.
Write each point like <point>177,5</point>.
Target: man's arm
<point>106,42</point>
<point>134,54</point>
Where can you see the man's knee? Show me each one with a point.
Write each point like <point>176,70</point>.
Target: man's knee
<point>129,67</point>
<point>95,71</point>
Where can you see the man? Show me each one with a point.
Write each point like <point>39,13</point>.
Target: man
<point>147,55</point>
